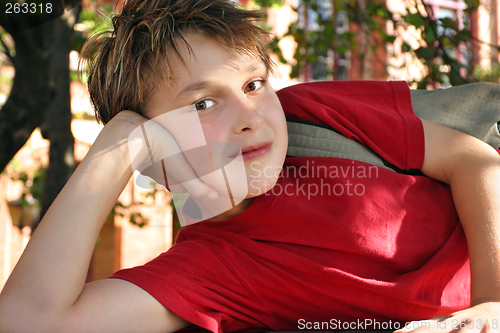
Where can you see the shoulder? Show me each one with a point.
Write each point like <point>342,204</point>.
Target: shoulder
<point>344,87</point>
<point>345,97</point>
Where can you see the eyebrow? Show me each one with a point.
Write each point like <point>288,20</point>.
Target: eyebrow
<point>194,87</point>
<point>256,65</point>
<point>202,85</point>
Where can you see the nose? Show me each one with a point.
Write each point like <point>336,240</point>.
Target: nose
<point>248,117</point>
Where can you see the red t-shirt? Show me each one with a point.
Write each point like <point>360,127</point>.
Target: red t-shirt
<point>336,240</point>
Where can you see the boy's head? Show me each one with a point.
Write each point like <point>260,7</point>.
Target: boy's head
<point>166,54</point>
<point>130,61</point>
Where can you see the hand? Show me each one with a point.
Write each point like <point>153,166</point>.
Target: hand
<point>483,317</point>
<point>150,151</point>
<point>172,149</point>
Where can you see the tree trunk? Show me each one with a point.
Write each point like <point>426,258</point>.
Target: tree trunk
<point>40,95</point>
<point>31,90</point>
<point>57,123</point>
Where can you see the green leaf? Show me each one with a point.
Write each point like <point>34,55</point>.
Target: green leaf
<point>23,176</point>
<point>429,35</point>
<point>328,30</point>
<point>383,13</point>
<point>459,38</point>
<point>269,3</point>
<point>138,220</point>
<point>425,52</point>
<point>87,15</point>
<point>311,58</point>
<point>472,5</point>
<point>387,38</point>
<point>415,19</point>
<point>448,23</point>
<point>422,84</point>
<point>341,49</point>
<point>405,47</point>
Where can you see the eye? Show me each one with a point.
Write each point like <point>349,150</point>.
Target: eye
<point>204,104</point>
<point>254,85</point>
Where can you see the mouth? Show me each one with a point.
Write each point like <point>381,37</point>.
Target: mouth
<point>255,151</point>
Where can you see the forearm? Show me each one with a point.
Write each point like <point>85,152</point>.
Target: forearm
<point>51,272</point>
<point>475,184</point>
<point>472,169</point>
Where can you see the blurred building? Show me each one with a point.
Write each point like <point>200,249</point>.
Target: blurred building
<point>385,61</point>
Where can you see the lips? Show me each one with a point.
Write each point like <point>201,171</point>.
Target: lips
<point>257,150</point>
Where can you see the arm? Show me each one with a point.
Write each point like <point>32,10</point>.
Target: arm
<point>48,284</point>
<point>472,169</point>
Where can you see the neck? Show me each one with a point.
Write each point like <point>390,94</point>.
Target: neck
<point>235,211</point>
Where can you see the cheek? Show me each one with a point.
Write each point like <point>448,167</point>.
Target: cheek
<point>214,131</point>
<point>275,118</point>
<point>274,113</point>
<point>262,176</point>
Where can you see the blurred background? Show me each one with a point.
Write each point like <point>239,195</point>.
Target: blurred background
<point>47,124</point>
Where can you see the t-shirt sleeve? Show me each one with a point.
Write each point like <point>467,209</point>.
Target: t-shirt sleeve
<point>195,282</point>
<point>377,114</point>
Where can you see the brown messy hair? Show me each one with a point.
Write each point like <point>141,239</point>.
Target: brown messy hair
<point>126,63</point>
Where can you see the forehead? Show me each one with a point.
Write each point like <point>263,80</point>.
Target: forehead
<point>201,56</point>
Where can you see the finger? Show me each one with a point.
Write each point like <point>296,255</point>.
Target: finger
<point>193,186</point>
<point>165,151</point>
<point>199,189</point>
<point>459,322</point>
<point>420,326</point>
<point>178,170</point>
<point>155,172</point>
<point>468,326</point>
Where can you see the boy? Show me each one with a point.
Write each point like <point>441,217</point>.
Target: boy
<point>275,260</point>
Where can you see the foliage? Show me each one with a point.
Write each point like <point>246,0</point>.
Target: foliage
<point>135,218</point>
<point>444,44</point>
<point>32,183</point>
<point>36,46</point>
<point>487,74</point>
<point>92,20</point>
<point>442,49</point>
<point>138,220</point>
<point>319,30</point>
<point>268,3</point>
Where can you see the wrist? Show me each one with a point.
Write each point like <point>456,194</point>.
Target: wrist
<point>112,144</point>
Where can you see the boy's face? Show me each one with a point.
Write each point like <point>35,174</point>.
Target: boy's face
<point>235,104</point>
